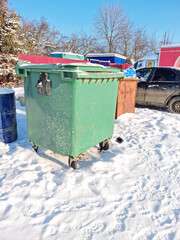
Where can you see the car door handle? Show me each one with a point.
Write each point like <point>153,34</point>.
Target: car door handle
<point>151,86</point>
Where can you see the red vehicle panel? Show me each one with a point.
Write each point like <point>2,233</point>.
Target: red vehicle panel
<point>122,66</point>
<point>46,60</point>
<point>169,56</point>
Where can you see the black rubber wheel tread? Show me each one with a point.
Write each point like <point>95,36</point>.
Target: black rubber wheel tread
<point>174,105</point>
<point>105,147</point>
<point>72,163</point>
<point>101,145</point>
<point>35,148</point>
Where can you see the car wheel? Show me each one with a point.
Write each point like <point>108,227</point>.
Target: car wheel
<point>174,105</point>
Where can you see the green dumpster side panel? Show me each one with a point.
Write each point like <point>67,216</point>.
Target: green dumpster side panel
<point>49,118</point>
<point>78,114</point>
<point>94,113</point>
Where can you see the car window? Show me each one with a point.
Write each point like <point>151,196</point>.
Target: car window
<point>143,74</point>
<point>140,64</point>
<point>165,75</point>
<point>135,65</point>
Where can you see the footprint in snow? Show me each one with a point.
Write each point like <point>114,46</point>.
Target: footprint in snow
<point>95,229</point>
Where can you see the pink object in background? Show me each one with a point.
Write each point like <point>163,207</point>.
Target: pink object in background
<point>47,60</point>
<point>169,56</point>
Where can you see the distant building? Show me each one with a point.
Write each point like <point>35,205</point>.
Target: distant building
<point>106,57</point>
<point>67,55</point>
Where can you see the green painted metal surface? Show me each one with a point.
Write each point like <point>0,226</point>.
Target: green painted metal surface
<point>67,55</point>
<point>80,111</point>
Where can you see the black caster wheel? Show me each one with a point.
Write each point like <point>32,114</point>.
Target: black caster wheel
<point>72,163</point>
<point>35,148</point>
<point>104,146</point>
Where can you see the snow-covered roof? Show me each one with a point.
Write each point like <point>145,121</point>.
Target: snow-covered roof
<point>105,55</point>
<point>70,53</point>
<point>81,65</point>
<point>151,55</point>
<point>4,91</point>
<point>170,46</point>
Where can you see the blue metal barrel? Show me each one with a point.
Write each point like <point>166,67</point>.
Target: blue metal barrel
<point>8,125</point>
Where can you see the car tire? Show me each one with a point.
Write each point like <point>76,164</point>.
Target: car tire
<point>174,105</point>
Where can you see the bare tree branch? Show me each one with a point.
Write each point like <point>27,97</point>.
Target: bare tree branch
<point>110,24</point>
<point>40,37</point>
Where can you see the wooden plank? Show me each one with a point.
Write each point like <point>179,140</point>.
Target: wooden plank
<point>126,96</point>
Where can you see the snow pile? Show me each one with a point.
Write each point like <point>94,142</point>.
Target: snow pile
<point>19,92</point>
<point>132,191</point>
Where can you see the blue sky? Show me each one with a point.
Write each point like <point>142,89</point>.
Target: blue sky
<point>70,16</point>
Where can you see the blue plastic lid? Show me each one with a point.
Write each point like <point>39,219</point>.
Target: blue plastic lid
<point>4,91</point>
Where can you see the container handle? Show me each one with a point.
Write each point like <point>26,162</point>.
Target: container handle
<point>44,84</point>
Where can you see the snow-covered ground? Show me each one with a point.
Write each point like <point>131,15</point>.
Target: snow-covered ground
<point>130,192</point>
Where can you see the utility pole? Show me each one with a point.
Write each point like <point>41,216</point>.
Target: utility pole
<point>166,40</point>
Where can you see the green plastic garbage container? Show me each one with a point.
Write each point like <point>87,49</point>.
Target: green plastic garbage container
<point>70,108</point>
